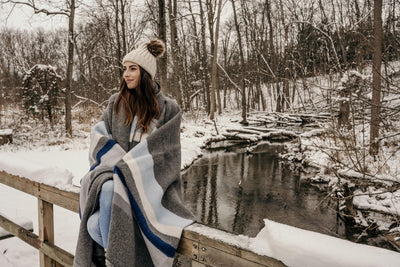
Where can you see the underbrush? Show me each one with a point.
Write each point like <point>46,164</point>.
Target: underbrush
<point>35,133</point>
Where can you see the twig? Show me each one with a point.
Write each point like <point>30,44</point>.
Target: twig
<point>83,100</point>
<point>215,125</point>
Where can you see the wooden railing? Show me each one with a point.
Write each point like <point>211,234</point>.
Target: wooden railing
<point>202,250</point>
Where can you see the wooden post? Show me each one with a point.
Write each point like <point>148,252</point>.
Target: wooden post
<point>46,230</point>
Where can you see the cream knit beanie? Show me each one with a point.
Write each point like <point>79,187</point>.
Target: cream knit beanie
<point>145,56</point>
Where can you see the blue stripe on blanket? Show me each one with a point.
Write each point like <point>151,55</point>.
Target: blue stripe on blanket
<point>164,247</point>
<point>152,189</point>
<point>107,147</point>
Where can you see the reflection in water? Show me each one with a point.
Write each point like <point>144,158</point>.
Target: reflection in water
<point>236,191</point>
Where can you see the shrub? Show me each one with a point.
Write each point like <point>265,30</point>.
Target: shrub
<point>41,91</point>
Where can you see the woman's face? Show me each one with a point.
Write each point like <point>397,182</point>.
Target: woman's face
<point>131,74</point>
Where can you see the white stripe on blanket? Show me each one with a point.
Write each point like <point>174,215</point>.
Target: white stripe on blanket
<point>141,164</point>
<point>136,133</point>
<point>98,131</point>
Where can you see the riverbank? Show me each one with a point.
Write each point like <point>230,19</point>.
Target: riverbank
<point>308,143</point>
<point>49,148</point>
<point>366,189</point>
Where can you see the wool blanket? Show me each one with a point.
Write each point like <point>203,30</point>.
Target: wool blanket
<point>147,215</point>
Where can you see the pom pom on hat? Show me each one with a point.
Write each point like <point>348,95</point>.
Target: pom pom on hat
<point>145,56</point>
<point>156,48</point>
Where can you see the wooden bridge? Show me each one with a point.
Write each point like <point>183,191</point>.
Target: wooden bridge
<point>200,249</point>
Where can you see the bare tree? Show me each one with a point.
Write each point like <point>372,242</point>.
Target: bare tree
<point>242,62</point>
<point>214,63</point>
<point>376,76</point>
<point>204,58</point>
<point>70,64</point>
<point>175,51</point>
<point>162,34</point>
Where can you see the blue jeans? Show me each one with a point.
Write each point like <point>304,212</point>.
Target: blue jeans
<point>98,223</point>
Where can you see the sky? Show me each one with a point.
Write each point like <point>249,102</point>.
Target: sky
<point>22,17</point>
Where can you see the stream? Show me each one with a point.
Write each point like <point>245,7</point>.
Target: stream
<point>235,191</point>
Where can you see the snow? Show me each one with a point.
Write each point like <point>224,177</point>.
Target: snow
<point>64,164</point>
<point>17,164</point>
<point>6,132</point>
<point>196,131</point>
<point>378,200</point>
<point>240,241</point>
<point>298,247</point>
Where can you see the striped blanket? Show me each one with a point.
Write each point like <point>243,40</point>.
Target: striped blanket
<point>147,216</point>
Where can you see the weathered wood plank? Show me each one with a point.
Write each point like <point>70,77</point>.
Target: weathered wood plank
<point>65,199</point>
<point>46,229</point>
<point>215,257</point>
<point>23,222</point>
<point>62,257</point>
<point>189,248</point>
<point>219,253</point>
<point>20,232</point>
<point>21,184</point>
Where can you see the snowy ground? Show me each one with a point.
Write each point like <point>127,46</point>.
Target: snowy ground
<point>56,160</point>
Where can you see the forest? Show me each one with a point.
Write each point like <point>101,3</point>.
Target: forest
<point>216,48</point>
<point>336,59</point>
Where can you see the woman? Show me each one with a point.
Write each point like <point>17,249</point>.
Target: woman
<point>130,200</point>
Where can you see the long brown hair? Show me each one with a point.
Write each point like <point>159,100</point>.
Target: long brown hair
<point>140,101</point>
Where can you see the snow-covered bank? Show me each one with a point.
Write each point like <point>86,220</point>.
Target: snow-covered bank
<point>60,164</point>
<point>288,244</point>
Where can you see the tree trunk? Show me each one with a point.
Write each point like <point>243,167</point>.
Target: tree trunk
<point>204,61</point>
<point>376,77</point>
<point>162,35</point>
<point>272,55</point>
<point>286,92</point>
<point>70,64</point>
<point>197,45</point>
<point>214,72</point>
<point>242,62</point>
<point>219,104</point>
<point>118,39</point>
<point>210,18</point>
<point>176,81</point>
<point>123,23</point>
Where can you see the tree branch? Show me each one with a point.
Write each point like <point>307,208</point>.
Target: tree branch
<point>229,78</point>
<point>37,10</point>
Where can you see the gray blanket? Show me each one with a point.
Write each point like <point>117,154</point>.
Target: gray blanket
<point>148,215</point>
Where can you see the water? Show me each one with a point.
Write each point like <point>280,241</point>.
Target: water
<point>236,191</point>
